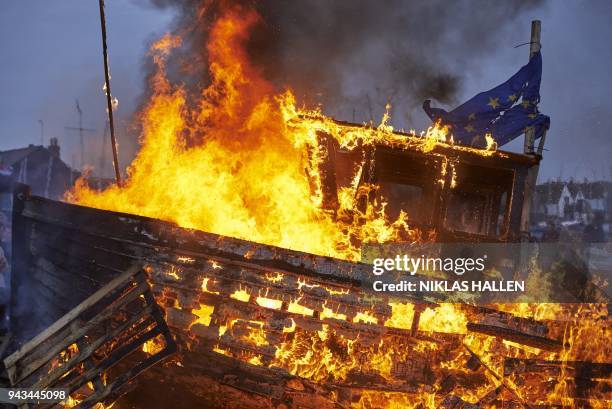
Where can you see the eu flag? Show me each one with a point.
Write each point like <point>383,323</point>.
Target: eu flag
<point>506,111</point>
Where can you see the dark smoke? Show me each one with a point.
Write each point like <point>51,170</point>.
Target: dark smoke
<point>354,56</point>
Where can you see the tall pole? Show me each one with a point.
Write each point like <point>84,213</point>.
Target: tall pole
<point>528,148</point>
<point>109,102</point>
<point>103,151</point>
<point>534,47</point>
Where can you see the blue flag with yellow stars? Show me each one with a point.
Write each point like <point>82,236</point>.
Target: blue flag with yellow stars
<point>506,111</point>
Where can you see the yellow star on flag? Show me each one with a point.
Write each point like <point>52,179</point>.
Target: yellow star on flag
<point>493,102</point>
<point>512,97</point>
<point>472,116</point>
<point>525,103</point>
<point>469,128</point>
<point>532,116</point>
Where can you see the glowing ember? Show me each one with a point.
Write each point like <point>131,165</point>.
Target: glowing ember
<point>204,314</point>
<point>329,313</point>
<point>401,316</point>
<point>241,295</point>
<point>269,303</point>
<point>365,317</point>
<point>296,308</point>
<point>205,282</point>
<point>153,346</point>
<point>445,318</point>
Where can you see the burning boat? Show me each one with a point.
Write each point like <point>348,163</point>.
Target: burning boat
<point>238,233</point>
<point>282,328</point>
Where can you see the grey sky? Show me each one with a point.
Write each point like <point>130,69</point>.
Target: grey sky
<point>51,55</point>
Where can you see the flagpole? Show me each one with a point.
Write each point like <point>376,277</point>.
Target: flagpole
<point>536,29</point>
<point>534,47</point>
<point>528,147</point>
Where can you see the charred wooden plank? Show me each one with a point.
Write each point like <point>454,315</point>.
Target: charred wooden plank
<point>518,329</point>
<point>576,369</point>
<point>241,375</point>
<point>228,308</point>
<point>101,326</point>
<point>155,234</point>
<point>580,381</point>
<point>515,335</point>
<point>455,402</point>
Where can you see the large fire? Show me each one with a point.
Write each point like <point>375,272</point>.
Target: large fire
<point>243,161</point>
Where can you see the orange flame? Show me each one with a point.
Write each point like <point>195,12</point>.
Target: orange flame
<point>234,162</point>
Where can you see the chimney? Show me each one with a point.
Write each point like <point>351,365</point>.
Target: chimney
<point>54,148</point>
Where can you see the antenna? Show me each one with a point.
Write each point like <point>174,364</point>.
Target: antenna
<point>42,132</point>
<point>80,129</point>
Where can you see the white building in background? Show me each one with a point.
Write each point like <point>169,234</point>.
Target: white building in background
<point>572,201</point>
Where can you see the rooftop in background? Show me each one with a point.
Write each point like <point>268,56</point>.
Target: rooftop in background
<point>39,167</point>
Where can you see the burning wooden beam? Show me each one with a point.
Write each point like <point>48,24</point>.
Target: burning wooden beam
<point>77,352</point>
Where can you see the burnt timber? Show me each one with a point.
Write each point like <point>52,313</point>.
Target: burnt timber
<point>65,253</point>
<point>95,344</point>
<point>460,193</point>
